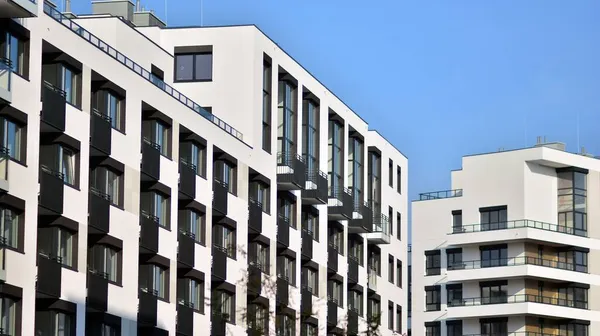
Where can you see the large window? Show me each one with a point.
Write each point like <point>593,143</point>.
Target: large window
<point>226,172</point>
<point>286,121</point>
<point>494,326</point>
<point>190,292</point>
<point>336,238</point>
<point>58,244</point>
<point>193,224</point>
<point>112,106</point>
<point>375,182</point>
<point>398,318</point>
<point>433,299</point>
<point>454,257</point>
<point>13,136</point>
<point>310,128</point>
<point>373,311</point>
<point>224,238</point>
<point>433,329</point>
<point>455,328</point>
<point>7,316</point>
<point>9,227</point>
<point>335,161</point>
<point>457,224</point>
<point>193,155</point>
<point>153,280</point>
<point>455,295</point>
<point>157,207</point>
<point>310,280</point>
<point>286,269</point>
<point>432,262</point>
<point>309,329</point>
<point>196,67</point>
<point>285,325</point>
<point>493,218</point>
<point>108,184</point>
<point>261,193</point>
<point>355,171</point>
<point>266,107</point>
<point>374,261</point>
<point>66,78</point>
<point>399,273</point>
<point>335,292</point>
<point>54,323</point>
<point>573,297</point>
<point>310,223</point>
<point>104,261</point>
<point>573,329</point>
<point>355,301</point>
<point>258,318</point>
<point>259,256</point>
<point>287,211</point>
<point>158,134</point>
<point>62,161</point>
<point>223,305</point>
<point>494,256</point>
<point>13,48</point>
<point>356,249</point>
<point>494,292</point>
<point>572,203</point>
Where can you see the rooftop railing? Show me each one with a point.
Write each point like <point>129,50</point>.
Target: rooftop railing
<point>517,224</point>
<point>517,261</point>
<point>440,194</point>
<point>519,298</point>
<point>133,66</point>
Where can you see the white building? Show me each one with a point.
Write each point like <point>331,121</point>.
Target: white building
<point>172,181</point>
<point>512,249</point>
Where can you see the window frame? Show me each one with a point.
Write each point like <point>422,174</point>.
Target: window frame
<point>18,153</point>
<point>187,295</point>
<point>433,263</point>
<point>433,298</point>
<point>104,269</point>
<point>195,229</point>
<point>194,67</point>
<point>267,106</point>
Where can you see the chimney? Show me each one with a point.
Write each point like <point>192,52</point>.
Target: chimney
<point>68,6</point>
<point>138,6</point>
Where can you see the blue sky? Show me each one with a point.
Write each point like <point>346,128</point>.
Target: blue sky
<point>440,79</point>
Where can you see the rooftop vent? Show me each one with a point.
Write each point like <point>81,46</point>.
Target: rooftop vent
<point>541,142</point>
<point>584,153</point>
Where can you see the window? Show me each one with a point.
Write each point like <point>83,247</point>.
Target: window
<point>54,323</point>
<point>161,136</point>
<point>356,249</point>
<point>70,84</point>
<point>581,261</point>
<point>286,269</point>
<point>107,184</point>
<point>261,193</point>
<point>494,292</point>
<point>259,256</point>
<point>258,317</point>
<point>373,311</point>
<point>399,179</point>
<point>310,223</point>
<point>455,295</point>
<point>153,280</point>
<point>193,224</point>
<point>310,280</point>
<point>391,218</point>
<point>287,211</point>
<point>57,243</point>
<point>399,224</point>
<point>432,262</point>
<point>494,256</point>
<point>336,238</point>
<point>493,218</point>
<point>335,292</point>
<point>355,171</point>
<point>266,107</point>
<point>190,293</point>
<point>494,326</point>
<point>224,238</point>
<point>7,316</point>
<point>226,172</point>
<point>573,329</point>
<point>375,182</point>
<point>454,257</point>
<point>455,328</point>
<point>391,268</point>
<point>13,48</point>
<point>432,329</point>
<point>390,173</point>
<point>573,296</point>
<point>457,225</point>
<point>572,208</point>
<point>309,330</point>
<point>374,262</point>
<point>355,301</point>
<point>286,122</point>
<point>310,128</point>
<point>9,227</point>
<point>399,273</point>
<point>193,155</point>
<point>286,325</point>
<point>399,319</point>
<point>432,298</point>
<point>61,161</point>
<point>390,315</point>
<point>195,67</point>
<point>103,260</point>
<point>13,137</point>
<point>223,305</point>
<point>336,154</point>
<point>109,330</point>
<point>157,207</point>
<point>111,106</point>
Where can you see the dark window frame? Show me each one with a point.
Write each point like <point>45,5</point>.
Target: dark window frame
<point>194,79</point>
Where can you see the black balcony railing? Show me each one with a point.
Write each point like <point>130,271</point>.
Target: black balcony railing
<point>51,195</point>
<point>283,230</point>
<point>315,190</point>
<point>291,171</point>
<point>342,206</point>
<point>364,223</point>
<point>381,223</point>
<point>520,298</point>
<point>518,224</point>
<point>101,132</point>
<point>150,159</point>
<point>187,180</point>
<point>54,106</point>
<point>440,194</point>
<point>255,215</point>
<point>220,191</point>
<point>516,261</point>
<point>99,210</point>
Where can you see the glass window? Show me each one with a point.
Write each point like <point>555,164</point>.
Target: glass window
<point>494,256</point>
<point>286,122</point>
<point>223,304</point>
<point>103,260</point>
<point>572,207</point>
<point>336,239</point>
<point>115,111</point>
<point>226,172</point>
<point>398,319</point>
<point>432,329</point>
<point>494,294</point>
<point>455,295</point>
<point>309,330</point>
<point>258,317</point>
<point>454,328</point>
<point>259,256</point>
<point>457,224</point>
<point>203,64</point>
<point>13,48</point>
<point>494,328</point>
<point>193,224</point>
<point>399,273</point>
<point>375,182</point>
<point>399,179</point>
<point>157,207</point>
<point>193,155</point>
<point>12,138</point>
<point>184,67</point>
<point>455,259</point>
<point>336,155</point>
<point>391,269</point>
<point>311,137</point>
<point>225,239</point>
<point>374,262</point>
<point>581,261</point>
<point>261,194</point>
<point>311,224</point>
<point>493,219</point>
<point>109,330</point>
<point>107,183</point>
<point>310,280</point>
<point>355,250</point>
<point>266,106</point>
<point>286,269</point>
<point>432,298</point>
<point>64,247</point>
<point>286,325</point>
<point>153,280</point>
<point>9,227</point>
<point>7,316</point>
<point>190,293</point>
<point>432,262</point>
<point>391,173</point>
<point>287,211</point>
<point>69,84</point>
<point>67,164</point>
<point>355,172</point>
<point>335,292</point>
<point>390,315</point>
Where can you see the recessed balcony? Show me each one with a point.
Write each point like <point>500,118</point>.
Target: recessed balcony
<point>17,9</point>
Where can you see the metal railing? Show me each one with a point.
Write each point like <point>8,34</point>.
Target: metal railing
<point>440,194</point>
<point>104,116</point>
<point>150,216</point>
<point>188,163</point>
<point>133,66</point>
<point>381,223</point>
<point>55,88</point>
<point>515,333</point>
<point>100,194</point>
<point>313,174</point>
<point>5,71</point>
<point>518,224</point>
<point>517,261</point>
<point>4,159</point>
<point>519,298</point>
<point>52,172</point>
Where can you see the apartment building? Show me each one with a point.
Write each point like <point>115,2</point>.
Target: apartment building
<point>183,181</point>
<point>512,249</point>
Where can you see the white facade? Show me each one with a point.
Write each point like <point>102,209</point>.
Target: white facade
<point>507,256</point>
<point>141,214</point>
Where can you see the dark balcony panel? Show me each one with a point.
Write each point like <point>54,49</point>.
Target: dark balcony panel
<point>352,323</point>
<point>291,171</point>
<point>344,206</point>
<point>151,331</point>
<point>187,181</point>
<point>364,224</point>
<point>254,280</point>
<point>255,216</point>
<point>315,191</point>
<point>54,106</point>
<point>94,321</point>
<point>51,191</point>
<point>332,259</point>
<point>147,308</point>
<point>148,236</point>
<point>187,250</point>
<point>283,232</point>
<point>352,270</point>
<point>100,134</point>
<point>150,161</point>
<point>307,246</point>
<point>185,320</point>
<point>49,277</point>
<point>220,191</point>
<point>332,318</point>
<point>306,308</point>
<point>283,292</point>
<point>217,325</point>
<point>219,264</point>
<point>97,292</point>
<point>99,213</point>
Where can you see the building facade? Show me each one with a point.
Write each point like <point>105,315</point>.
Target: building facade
<point>176,181</point>
<point>511,249</point>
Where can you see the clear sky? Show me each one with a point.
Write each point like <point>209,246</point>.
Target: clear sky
<point>439,78</point>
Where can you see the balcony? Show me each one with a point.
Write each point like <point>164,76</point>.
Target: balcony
<point>5,76</point>
<point>218,325</point>
<point>352,270</point>
<point>17,9</point>
<point>340,204</point>
<point>150,161</point>
<point>255,216</point>
<point>51,197</point>
<point>54,107</point>
<point>306,306</point>
<point>381,230</point>
<point>97,294</point>
<point>220,191</point>
<point>517,230</point>
<point>185,320</point>
<point>219,263</point>
<point>255,277</point>
<point>100,134</point>
<point>48,276</point>
<point>4,160</point>
<point>307,245</point>
<point>372,279</point>
<point>362,219</point>
<point>98,211</point>
<point>332,318</point>
<point>315,190</point>
<point>282,294</point>
<point>148,233</point>
<point>291,171</point>
<point>187,180</point>
<point>147,306</point>
<point>186,249</point>
<point>283,231</point>
<point>554,301</point>
<point>332,258</point>
<point>434,195</point>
